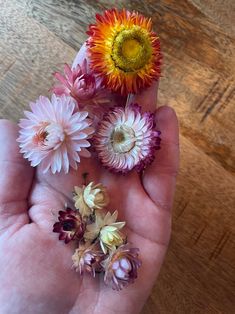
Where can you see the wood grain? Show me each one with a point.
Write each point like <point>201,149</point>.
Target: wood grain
<point>38,36</point>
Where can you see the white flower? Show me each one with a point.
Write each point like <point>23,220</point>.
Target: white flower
<point>89,198</point>
<point>126,139</point>
<point>107,229</point>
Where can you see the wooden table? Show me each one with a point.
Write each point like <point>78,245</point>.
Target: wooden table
<point>38,36</point>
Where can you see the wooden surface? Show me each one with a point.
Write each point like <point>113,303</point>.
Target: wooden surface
<point>37,37</point>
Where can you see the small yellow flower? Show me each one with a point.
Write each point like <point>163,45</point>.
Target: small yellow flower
<point>89,198</point>
<point>108,231</point>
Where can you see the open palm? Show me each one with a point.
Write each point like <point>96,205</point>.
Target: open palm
<point>36,274</point>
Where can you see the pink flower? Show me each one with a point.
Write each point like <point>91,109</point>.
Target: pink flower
<point>80,84</point>
<point>126,139</point>
<point>121,267</point>
<point>53,135</point>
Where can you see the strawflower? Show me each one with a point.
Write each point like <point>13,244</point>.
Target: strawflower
<point>81,84</point>
<point>121,267</point>
<point>88,258</point>
<point>53,135</point>
<point>70,225</point>
<point>90,197</point>
<point>124,51</point>
<point>126,139</point>
<point>107,230</point>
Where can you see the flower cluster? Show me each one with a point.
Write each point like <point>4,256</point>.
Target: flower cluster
<point>123,57</point>
<point>101,245</point>
<point>89,114</point>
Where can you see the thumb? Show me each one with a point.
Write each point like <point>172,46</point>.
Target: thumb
<point>16,177</point>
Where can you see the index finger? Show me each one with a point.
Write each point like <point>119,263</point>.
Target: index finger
<point>159,178</point>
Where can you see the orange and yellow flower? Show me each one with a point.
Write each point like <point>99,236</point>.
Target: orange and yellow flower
<point>124,51</point>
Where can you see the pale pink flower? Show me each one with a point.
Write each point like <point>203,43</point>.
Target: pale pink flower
<point>53,135</point>
<point>87,258</point>
<point>121,267</point>
<point>126,139</point>
<point>81,84</point>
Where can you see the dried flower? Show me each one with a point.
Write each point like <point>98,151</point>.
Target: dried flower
<point>70,225</point>
<point>126,139</point>
<point>82,85</point>
<point>88,259</point>
<point>53,135</point>
<point>90,197</point>
<point>107,229</point>
<point>124,51</point>
<point>121,267</point>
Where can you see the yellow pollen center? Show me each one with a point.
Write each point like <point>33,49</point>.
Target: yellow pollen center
<point>131,48</point>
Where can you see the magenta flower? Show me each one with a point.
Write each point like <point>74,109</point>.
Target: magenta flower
<point>126,139</point>
<point>88,259</point>
<point>82,85</point>
<point>53,135</point>
<point>121,267</point>
<point>70,225</point>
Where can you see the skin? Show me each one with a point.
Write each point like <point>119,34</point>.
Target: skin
<point>36,275</point>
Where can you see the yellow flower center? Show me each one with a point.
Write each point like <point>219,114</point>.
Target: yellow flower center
<point>123,139</point>
<point>131,49</point>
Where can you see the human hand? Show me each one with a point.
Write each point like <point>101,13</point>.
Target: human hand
<point>36,274</point>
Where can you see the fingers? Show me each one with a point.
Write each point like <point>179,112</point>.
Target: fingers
<point>147,99</point>
<point>159,178</point>
<point>15,174</point>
